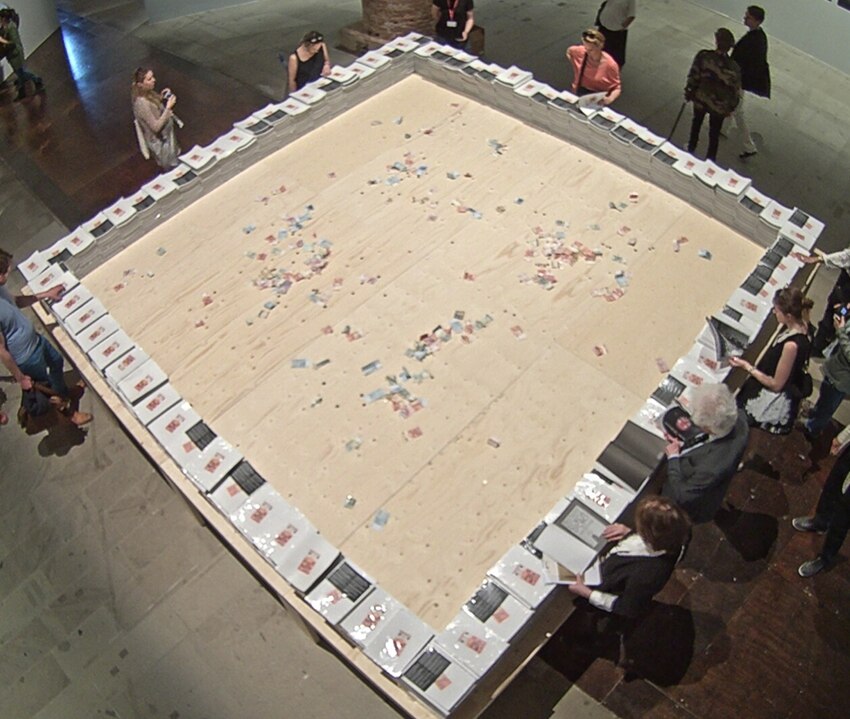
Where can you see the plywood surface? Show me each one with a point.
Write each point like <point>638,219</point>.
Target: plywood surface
<point>404,258</point>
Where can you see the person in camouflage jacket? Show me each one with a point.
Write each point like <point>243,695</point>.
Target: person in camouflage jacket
<point>714,88</point>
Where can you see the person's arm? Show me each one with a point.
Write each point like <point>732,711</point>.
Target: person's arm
<point>10,364</point>
<point>836,260</point>
<point>841,334</point>
<point>612,76</point>
<point>775,382</point>
<point>599,599</point>
<point>326,68</point>
<point>146,113</point>
<point>692,82</point>
<point>470,22</point>
<point>292,71</point>
<point>54,293</point>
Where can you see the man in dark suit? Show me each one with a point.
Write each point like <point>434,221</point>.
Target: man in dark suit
<point>698,477</point>
<point>750,53</point>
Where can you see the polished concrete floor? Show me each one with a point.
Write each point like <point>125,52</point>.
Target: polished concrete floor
<point>115,602</point>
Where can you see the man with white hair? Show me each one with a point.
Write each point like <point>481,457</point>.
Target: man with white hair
<point>698,477</point>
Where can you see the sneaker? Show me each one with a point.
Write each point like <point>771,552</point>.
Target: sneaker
<point>812,567</point>
<point>807,524</point>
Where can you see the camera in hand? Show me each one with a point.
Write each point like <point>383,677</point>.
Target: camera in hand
<point>677,423</point>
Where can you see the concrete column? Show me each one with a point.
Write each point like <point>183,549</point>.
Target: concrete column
<point>384,20</point>
<point>389,18</point>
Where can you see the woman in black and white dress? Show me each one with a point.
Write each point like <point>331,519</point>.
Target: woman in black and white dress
<point>771,395</point>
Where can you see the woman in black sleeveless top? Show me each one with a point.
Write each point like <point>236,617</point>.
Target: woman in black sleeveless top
<point>309,62</point>
<point>771,396</point>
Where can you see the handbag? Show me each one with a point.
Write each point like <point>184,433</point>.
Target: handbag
<point>807,385</point>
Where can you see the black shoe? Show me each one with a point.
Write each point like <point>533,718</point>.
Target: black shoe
<point>744,155</point>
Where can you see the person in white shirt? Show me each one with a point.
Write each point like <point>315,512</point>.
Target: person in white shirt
<point>614,19</point>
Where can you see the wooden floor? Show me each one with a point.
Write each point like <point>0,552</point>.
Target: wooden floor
<point>735,633</point>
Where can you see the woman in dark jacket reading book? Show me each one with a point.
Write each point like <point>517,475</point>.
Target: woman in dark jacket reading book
<point>641,562</point>
<point>771,395</point>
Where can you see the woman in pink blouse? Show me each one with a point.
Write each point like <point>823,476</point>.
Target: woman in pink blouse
<point>593,69</point>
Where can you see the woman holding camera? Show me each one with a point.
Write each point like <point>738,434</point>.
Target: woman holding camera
<point>155,119</point>
<point>836,376</point>
<point>771,395</point>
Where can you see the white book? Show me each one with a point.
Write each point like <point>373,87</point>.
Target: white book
<point>471,643</point>
<point>51,277</point>
<point>142,381</point>
<point>429,49</point>
<point>134,358</point>
<point>776,214</point>
<point>160,187</point>
<point>374,60</point>
<point>208,467</point>
<point>75,242</point>
<point>307,561</point>
<point>398,641</point>
<point>34,265</point>
<point>83,315</point>
<point>71,301</point>
<point>309,94</point>
<point>733,183</point>
<point>361,70</point>
<point>97,225</point>
<point>169,429</point>
<point>198,158</point>
<point>113,347</point>
<point>120,211</point>
<point>342,75</point>
<point>96,332</point>
<point>157,402</point>
<point>513,76</point>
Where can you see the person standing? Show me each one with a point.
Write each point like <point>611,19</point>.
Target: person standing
<point>714,87</point>
<point>594,70</point>
<point>613,20</point>
<point>836,379</point>
<point>832,514</point>
<point>25,353</point>
<point>308,62</point>
<point>698,477</point>
<point>771,395</point>
<point>455,21</point>
<point>155,119</point>
<point>10,39</point>
<point>839,295</point>
<point>750,53</point>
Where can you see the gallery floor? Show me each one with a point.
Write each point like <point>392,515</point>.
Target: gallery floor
<point>115,601</point>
